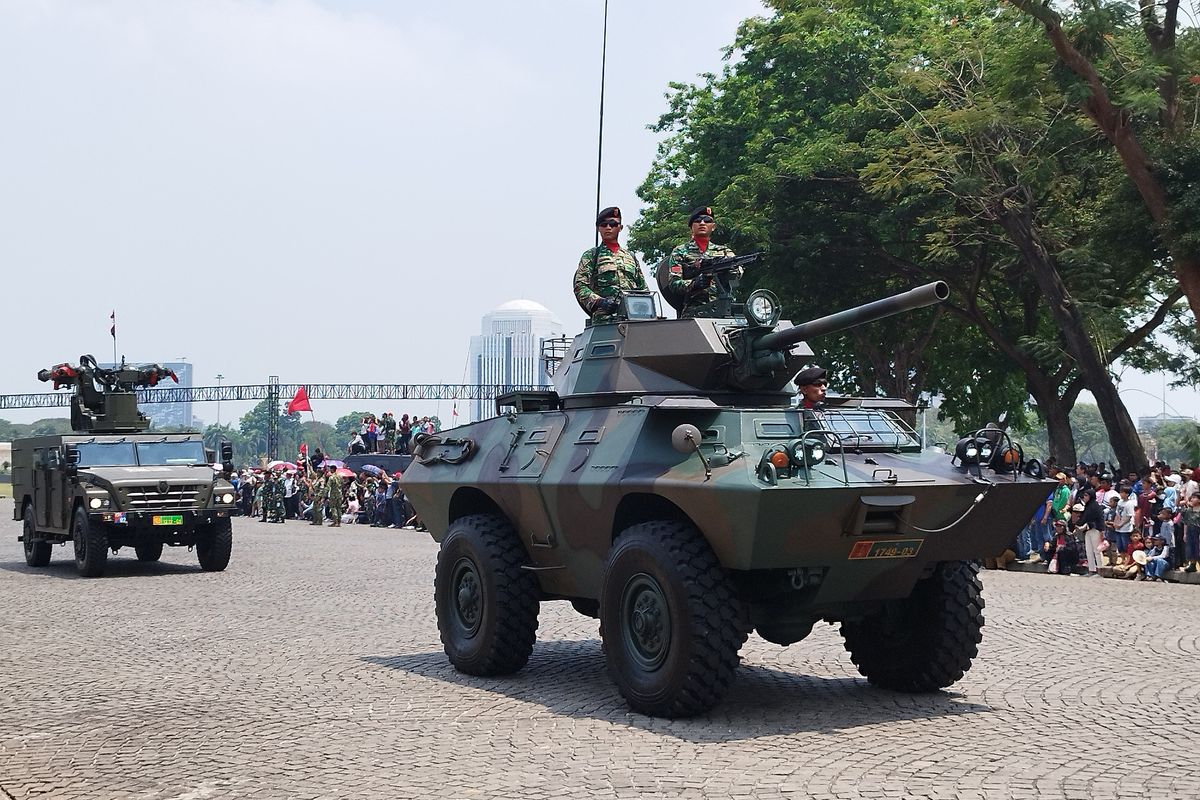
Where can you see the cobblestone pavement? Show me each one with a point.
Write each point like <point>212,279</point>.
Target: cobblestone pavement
<point>312,669</point>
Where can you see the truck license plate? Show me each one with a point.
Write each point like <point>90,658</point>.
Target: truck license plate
<point>167,519</point>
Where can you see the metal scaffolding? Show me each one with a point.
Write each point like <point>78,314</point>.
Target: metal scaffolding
<point>267,391</point>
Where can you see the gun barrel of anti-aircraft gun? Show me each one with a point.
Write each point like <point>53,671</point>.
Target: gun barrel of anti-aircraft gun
<point>927,295</point>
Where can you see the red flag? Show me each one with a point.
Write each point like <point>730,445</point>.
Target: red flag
<point>113,329</point>
<point>299,402</point>
<point>304,448</point>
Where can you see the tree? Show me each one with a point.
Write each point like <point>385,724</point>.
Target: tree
<point>1178,441</point>
<point>1132,95</point>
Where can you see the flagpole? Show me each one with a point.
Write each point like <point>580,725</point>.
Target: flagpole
<point>113,331</point>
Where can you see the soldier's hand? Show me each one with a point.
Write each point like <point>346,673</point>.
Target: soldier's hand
<point>700,284</point>
<point>605,305</point>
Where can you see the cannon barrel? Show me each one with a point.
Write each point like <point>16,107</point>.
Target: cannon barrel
<point>927,295</point>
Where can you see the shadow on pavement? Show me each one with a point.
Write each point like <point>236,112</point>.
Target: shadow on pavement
<point>570,678</point>
<point>64,568</point>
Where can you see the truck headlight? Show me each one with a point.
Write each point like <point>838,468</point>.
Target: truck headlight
<point>227,498</point>
<point>95,502</point>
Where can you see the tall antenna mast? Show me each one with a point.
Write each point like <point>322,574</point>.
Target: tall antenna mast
<point>600,142</point>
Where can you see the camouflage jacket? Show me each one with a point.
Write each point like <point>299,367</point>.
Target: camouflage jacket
<point>679,286</point>
<point>613,273</point>
<point>333,490</point>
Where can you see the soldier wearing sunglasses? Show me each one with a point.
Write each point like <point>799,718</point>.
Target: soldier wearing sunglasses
<point>606,271</point>
<point>699,295</point>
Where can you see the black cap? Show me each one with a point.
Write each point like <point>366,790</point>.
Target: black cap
<point>811,375</point>
<point>612,212</point>
<point>703,211</point>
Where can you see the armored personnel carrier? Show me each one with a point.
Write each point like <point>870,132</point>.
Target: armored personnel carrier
<point>110,484</point>
<point>671,486</point>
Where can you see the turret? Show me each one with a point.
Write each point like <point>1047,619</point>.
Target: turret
<point>105,400</point>
<point>730,361</point>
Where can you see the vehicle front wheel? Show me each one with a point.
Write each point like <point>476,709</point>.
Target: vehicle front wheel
<point>37,552</point>
<point>487,606</point>
<point>671,622</point>
<point>925,642</point>
<point>150,551</point>
<point>91,546</point>
<point>214,545</point>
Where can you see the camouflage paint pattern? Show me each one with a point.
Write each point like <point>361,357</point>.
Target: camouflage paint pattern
<point>678,286</point>
<point>603,273</point>
<point>574,468</point>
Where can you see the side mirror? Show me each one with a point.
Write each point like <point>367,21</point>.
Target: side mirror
<point>53,458</point>
<point>227,457</point>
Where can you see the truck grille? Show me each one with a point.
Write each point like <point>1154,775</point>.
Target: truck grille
<point>149,498</point>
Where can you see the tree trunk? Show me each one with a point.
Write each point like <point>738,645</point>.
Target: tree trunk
<point>1057,415</point>
<point>1016,217</point>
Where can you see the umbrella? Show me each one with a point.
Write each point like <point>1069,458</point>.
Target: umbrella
<point>397,474</point>
<point>371,468</point>
<point>274,465</point>
<point>342,472</point>
<point>332,462</point>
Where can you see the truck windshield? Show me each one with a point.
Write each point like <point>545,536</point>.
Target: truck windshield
<point>106,454</point>
<point>165,453</point>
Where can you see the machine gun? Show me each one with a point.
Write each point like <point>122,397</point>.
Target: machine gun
<point>705,272</point>
<point>106,399</point>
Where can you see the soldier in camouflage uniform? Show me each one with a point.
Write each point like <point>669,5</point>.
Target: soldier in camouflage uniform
<point>698,294</point>
<point>607,270</point>
<point>333,494</point>
<point>389,432</point>
<point>276,508</point>
<point>317,494</point>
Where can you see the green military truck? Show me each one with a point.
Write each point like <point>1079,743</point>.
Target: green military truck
<point>109,484</point>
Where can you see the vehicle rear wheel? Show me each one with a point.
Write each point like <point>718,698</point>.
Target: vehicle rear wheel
<point>150,551</point>
<point>487,606</point>
<point>670,620</point>
<point>214,545</point>
<point>37,552</point>
<point>91,546</point>
<point>925,642</point>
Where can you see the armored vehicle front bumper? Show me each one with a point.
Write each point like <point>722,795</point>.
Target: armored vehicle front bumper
<point>164,519</point>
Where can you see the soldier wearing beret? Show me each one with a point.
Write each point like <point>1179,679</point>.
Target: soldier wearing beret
<point>811,383</point>
<point>698,294</point>
<point>606,271</point>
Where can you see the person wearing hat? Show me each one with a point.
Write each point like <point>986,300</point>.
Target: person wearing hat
<point>1061,553</point>
<point>1158,557</point>
<point>606,270</point>
<point>698,294</point>
<point>811,382</point>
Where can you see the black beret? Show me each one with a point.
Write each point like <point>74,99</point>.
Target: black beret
<point>703,211</point>
<point>810,376</point>
<point>612,212</point>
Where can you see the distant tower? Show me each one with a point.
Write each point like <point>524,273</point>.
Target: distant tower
<point>509,348</point>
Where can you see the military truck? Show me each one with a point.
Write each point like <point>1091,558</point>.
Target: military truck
<point>671,485</point>
<point>111,484</point>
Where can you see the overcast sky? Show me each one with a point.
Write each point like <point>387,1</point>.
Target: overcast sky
<point>325,191</point>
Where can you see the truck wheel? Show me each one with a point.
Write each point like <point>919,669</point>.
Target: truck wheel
<point>487,606</point>
<point>214,545</point>
<point>670,620</point>
<point>37,552</point>
<point>150,551</point>
<point>91,546</point>
<point>925,642</point>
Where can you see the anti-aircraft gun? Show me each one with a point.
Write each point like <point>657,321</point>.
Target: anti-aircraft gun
<point>105,399</point>
<point>112,484</point>
<point>670,485</point>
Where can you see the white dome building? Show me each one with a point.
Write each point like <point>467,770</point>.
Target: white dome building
<point>509,348</point>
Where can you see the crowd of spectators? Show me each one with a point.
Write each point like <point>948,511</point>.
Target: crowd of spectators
<point>1142,526</point>
<point>386,434</point>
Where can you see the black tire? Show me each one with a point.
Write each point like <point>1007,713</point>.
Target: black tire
<point>487,606</point>
<point>670,620</point>
<point>214,545</point>
<point>149,551</point>
<point>927,641</point>
<point>37,552</point>
<point>91,545</point>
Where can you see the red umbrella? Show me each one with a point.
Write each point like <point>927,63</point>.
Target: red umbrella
<point>342,472</point>
<point>277,465</point>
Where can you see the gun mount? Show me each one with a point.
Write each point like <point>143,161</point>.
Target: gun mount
<point>734,361</point>
<point>105,399</point>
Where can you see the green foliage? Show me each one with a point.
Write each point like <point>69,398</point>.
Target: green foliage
<point>1091,438</point>
<point>42,427</point>
<point>1178,441</point>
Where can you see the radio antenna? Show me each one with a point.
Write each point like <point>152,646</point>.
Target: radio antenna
<point>600,142</point>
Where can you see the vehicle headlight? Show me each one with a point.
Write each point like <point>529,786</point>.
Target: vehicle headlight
<point>227,498</point>
<point>95,502</point>
<point>808,452</point>
<point>762,308</point>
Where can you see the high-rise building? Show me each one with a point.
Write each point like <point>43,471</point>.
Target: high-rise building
<point>509,348</point>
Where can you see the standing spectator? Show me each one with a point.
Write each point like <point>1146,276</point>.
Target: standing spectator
<point>372,439</point>
<point>389,432</point>
<point>1123,524</point>
<point>1188,488</point>
<point>1091,527</point>
<point>1189,519</point>
<point>405,431</point>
